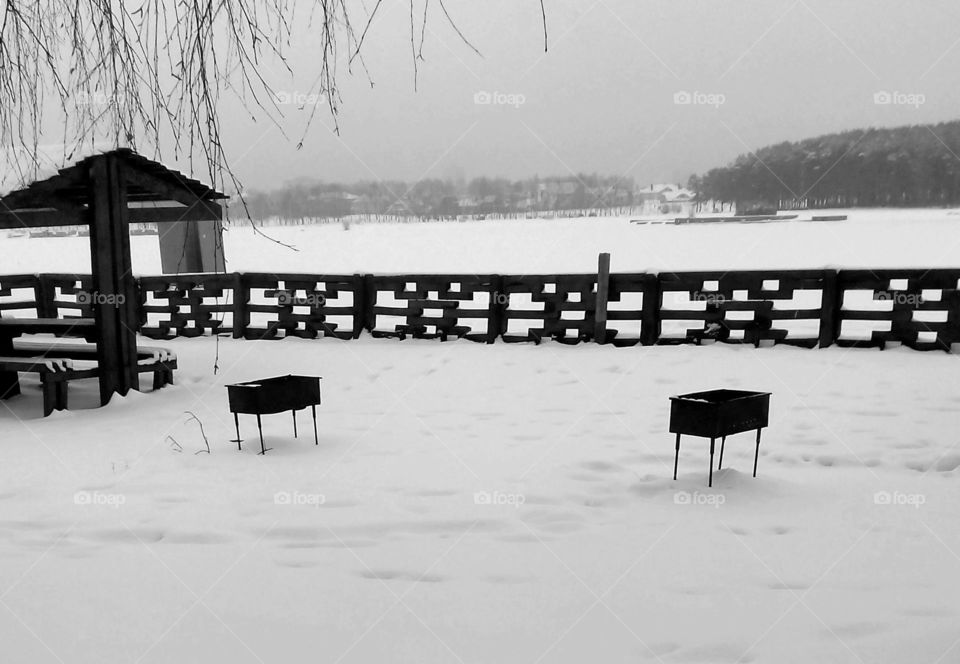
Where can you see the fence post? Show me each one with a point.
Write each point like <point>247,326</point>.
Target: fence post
<point>359,305</point>
<point>241,296</point>
<point>830,303</point>
<point>497,310</point>
<point>44,295</point>
<point>650,317</point>
<point>603,293</point>
<point>369,302</point>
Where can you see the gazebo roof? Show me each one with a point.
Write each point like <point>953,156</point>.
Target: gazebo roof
<point>153,193</point>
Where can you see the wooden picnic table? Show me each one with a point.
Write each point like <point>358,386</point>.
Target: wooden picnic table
<point>11,328</point>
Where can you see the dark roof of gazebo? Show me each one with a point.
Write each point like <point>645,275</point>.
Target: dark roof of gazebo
<point>64,198</point>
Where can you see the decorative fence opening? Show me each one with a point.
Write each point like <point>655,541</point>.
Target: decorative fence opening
<point>917,308</point>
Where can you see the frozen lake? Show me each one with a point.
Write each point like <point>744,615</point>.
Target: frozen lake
<point>868,239</point>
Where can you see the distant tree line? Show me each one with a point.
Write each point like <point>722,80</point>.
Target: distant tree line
<point>442,198</point>
<point>905,166</point>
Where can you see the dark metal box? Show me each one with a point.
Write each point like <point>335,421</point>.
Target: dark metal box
<point>717,413</point>
<point>274,395</point>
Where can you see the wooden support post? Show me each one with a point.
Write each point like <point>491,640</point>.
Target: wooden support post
<point>499,301</point>
<point>115,306</point>
<point>603,293</point>
<point>241,315</point>
<point>359,305</point>
<point>370,301</point>
<point>45,295</point>
<point>650,316</point>
<point>831,303</point>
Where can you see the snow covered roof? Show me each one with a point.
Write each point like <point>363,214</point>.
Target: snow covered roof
<point>21,170</point>
<point>65,197</point>
<point>20,166</point>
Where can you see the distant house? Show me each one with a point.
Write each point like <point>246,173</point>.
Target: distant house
<point>665,199</point>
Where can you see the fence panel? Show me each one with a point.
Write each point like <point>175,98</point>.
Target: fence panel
<point>560,307</point>
<point>918,308</point>
<point>629,296</point>
<point>434,306</point>
<point>742,307</point>
<point>20,295</point>
<point>189,305</point>
<point>67,295</point>
<point>302,305</point>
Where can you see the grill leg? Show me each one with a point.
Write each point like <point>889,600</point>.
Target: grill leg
<point>712,442</point>
<point>263,450</point>
<point>236,423</point>
<point>757,454</point>
<point>676,459</point>
<point>294,423</point>
<point>723,443</point>
<point>316,438</point>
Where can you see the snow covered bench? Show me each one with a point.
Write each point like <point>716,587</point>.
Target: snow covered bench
<point>161,362</point>
<point>54,375</point>
<point>55,364</point>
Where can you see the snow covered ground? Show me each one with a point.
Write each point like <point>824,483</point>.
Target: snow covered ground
<point>380,544</point>
<point>504,503</point>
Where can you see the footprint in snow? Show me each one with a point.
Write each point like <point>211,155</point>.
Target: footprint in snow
<point>398,575</point>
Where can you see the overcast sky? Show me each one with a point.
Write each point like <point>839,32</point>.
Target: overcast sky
<point>605,96</point>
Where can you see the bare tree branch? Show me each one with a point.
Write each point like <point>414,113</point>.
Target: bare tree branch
<point>147,73</point>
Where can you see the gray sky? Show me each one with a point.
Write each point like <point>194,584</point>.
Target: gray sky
<point>604,97</point>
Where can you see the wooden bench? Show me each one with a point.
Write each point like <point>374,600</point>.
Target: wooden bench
<point>55,364</point>
<point>54,375</point>
<point>161,362</point>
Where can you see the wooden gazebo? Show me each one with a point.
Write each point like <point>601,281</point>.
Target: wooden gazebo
<point>107,192</point>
